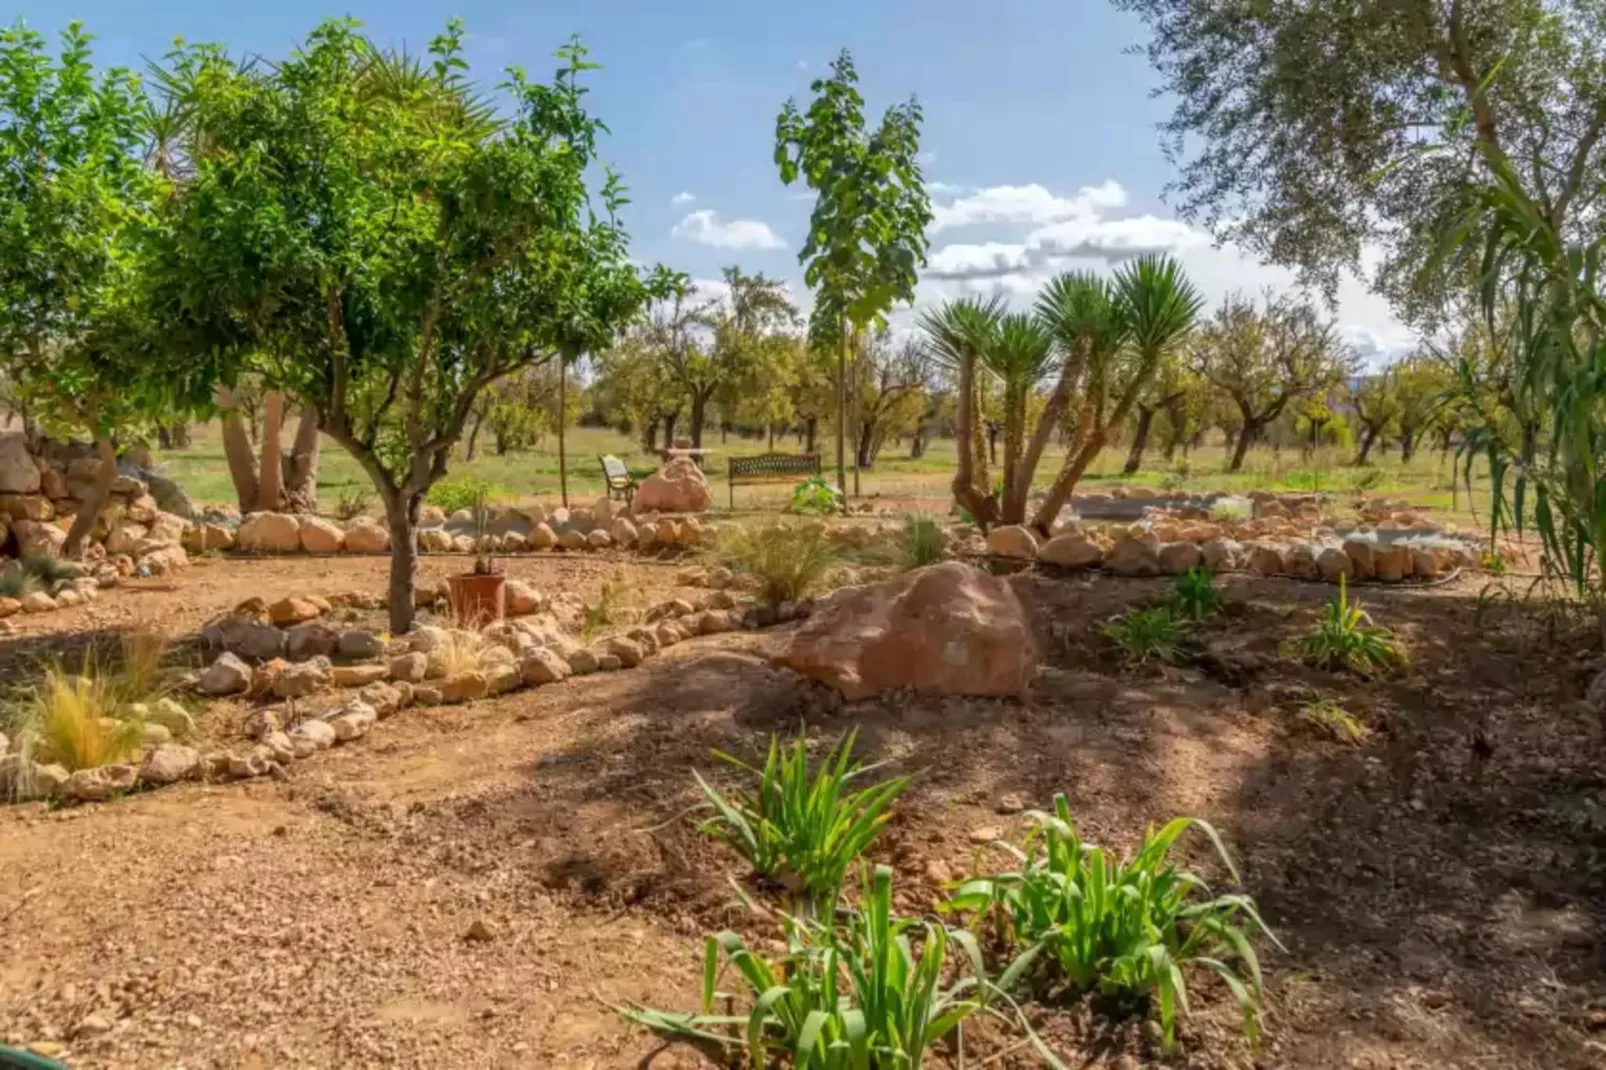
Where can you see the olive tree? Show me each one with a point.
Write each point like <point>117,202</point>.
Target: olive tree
<point>377,242</point>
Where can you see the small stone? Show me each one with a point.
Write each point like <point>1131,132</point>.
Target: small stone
<point>296,681</point>
<point>582,662</point>
<point>360,643</point>
<point>410,667</point>
<point>609,663</point>
<point>311,639</point>
<point>1010,803</point>
<point>543,666</point>
<point>93,1025</point>
<point>714,621</point>
<point>352,721</point>
<point>247,766</point>
<point>38,602</point>
<point>937,872</point>
<point>318,735</point>
<point>97,785</point>
<point>463,688</point>
<point>360,675</point>
<point>426,696</point>
<point>628,651</point>
<point>385,698</point>
<point>279,747</point>
<point>292,610</point>
<point>480,932</point>
<point>986,834</point>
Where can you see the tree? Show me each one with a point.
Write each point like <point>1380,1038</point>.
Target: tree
<point>1169,388</point>
<point>1423,387</point>
<point>371,239</point>
<point>890,392</point>
<point>1376,405</point>
<point>634,387</point>
<point>1264,359</point>
<point>749,345</point>
<point>1320,129</point>
<point>77,203</point>
<point>867,233</point>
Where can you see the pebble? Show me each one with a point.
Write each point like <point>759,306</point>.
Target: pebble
<point>986,834</point>
<point>94,1024</point>
<point>481,932</point>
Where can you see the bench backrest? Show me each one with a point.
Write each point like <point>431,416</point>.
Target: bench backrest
<point>774,466</point>
<point>614,468</point>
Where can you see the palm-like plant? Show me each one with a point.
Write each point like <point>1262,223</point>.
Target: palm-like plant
<point>959,334</point>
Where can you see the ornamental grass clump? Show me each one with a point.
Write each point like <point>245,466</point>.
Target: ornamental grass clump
<point>1346,638</point>
<point>787,560</point>
<point>799,828</point>
<point>1130,928</point>
<point>1152,634</point>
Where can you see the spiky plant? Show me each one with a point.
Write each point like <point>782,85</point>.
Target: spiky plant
<point>920,543</point>
<point>1346,638</point>
<point>1142,635</point>
<point>787,559</point>
<point>75,719</point>
<point>1195,595</point>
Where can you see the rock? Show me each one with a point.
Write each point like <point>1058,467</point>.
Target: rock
<point>67,598</point>
<point>410,667</point>
<point>164,531</point>
<point>425,696</point>
<point>947,629</point>
<point>717,600</point>
<point>100,784</point>
<point>572,540</point>
<point>19,473</point>
<point>360,643</point>
<point>714,621</point>
<point>273,533</point>
<point>426,637</point>
<point>667,633</point>
<point>434,541</point>
<point>292,610</point>
<point>171,716</point>
<point>541,537</point>
<point>628,651</point>
<point>500,679</point>
<point>1178,557</point>
<point>93,1025</point>
<point>297,681</point>
<point>1333,564</point>
<point>1267,559</point>
<point>319,735</point>
<point>1012,540</point>
<point>358,675</point>
<point>623,531</point>
<point>155,733</point>
<point>1391,562</point>
<point>22,780</point>
<point>279,747</point>
<point>582,662</point>
<point>522,599</point>
<point>160,562</point>
<point>599,540</point>
<point>352,721</point>
<point>9,607</point>
<point>320,536</point>
<point>246,766</point>
<point>1220,555</point>
<point>26,507</point>
<point>245,637</point>
<point>543,666</point>
<point>1300,559</point>
<point>1422,563</point>
<point>609,663</point>
<point>385,698</point>
<point>679,486</point>
<point>228,675</point>
<point>1133,556</point>
<point>364,536</point>
<point>310,640</point>
<point>480,932</point>
<point>1071,550</point>
<point>464,687</point>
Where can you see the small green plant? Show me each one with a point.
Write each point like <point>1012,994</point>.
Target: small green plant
<point>920,542</point>
<point>74,718</point>
<point>1494,563</point>
<point>1127,928</point>
<point>1327,718</point>
<point>1145,634</point>
<point>353,502</point>
<point>48,570</point>
<point>1177,476</point>
<point>802,829</point>
<point>815,497</point>
<point>854,998</point>
<point>1195,595</point>
<point>454,493</point>
<point>1346,638</point>
<point>15,583</point>
<point>1366,479</point>
<point>787,559</point>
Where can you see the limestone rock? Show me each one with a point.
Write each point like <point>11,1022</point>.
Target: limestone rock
<point>541,537</point>
<point>1422,563</point>
<point>100,784</point>
<point>19,474</point>
<point>623,531</point>
<point>714,621</point>
<point>310,640</point>
<point>1134,556</point>
<point>1220,555</point>
<point>297,681</point>
<point>1178,557</point>
<point>37,602</point>
<point>1071,550</point>
<point>168,763</point>
<point>572,540</point>
<point>435,541</point>
<point>522,599</point>
<point>1267,559</point>
<point>582,662</point>
<point>679,486</point>
<point>1300,559</point>
<point>258,762</point>
<point>352,721</point>
<point>357,675</point>
<point>464,687</point>
<point>22,780</point>
<point>320,536</point>
<point>363,536</point>
<point>26,507</point>
<point>273,533</point>
<point>945,629</point>
<point>1012,540</point>
<point>599,540</point>
<point>293,610</point>
<point>1391,562</point>
<point>410,667</point>
<point>360,643</point>
<point>245,637</point>
<point>628,651</point>
<point>9,607</point>
<point>320,734</point>
<point>1333,564</point>
<point>228,675</point>
<point>38,537</point>
<point>609,663</point>
<point>385,698</point>
<point>668,634</point>
<point>543,666</point>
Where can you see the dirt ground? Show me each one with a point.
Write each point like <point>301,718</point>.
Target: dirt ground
<point>1438,910</point>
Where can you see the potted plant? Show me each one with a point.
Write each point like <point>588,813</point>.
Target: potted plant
<point>479,596</point>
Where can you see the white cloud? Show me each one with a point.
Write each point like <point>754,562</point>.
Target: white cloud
<point>705,227</point>
<point>989,260</point>
<point>1031,205</point>
<point>1114,239</point>
<point>683,197</point>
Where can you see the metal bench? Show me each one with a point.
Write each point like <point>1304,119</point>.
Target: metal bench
<point>621,484</point>
<point>770,468</point>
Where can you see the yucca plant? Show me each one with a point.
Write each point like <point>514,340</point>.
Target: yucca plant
<point>854,998</point>
<point>802,829</point>
<point>1346,638</point>
<point>1195,595</point>
<point>1148,634</point>
<point>1122,928</point>
<point>920,543</point>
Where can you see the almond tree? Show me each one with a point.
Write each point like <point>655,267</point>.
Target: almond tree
<point>370,237</point>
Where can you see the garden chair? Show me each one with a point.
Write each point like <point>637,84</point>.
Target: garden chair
<point>621,484</point>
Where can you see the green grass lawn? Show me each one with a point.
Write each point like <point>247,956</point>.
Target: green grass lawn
<point>533,474</point>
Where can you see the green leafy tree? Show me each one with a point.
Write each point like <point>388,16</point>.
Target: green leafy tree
<point>1265,359</point>
<point>867,233</point>
<point>364,232</point>
<point>890,391</point>
<point>1310,132</point>
<point>1375,403</point>
<point>635,390</point>
<point>77,205</point>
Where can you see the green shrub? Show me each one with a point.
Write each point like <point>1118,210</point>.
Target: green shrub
<point>815,497</point>
<point>920,542</point>
<point>463,492</point>
<point>1346,638</point>
<point>787,559</point>
<point>1125,928</point>
<point>1143,634</point>
<point>18,584</point>
<point>48,570</point>
<point>1195,595</point>
<point>855,998</point>
<point>803,830</point>
<point>355,501</point>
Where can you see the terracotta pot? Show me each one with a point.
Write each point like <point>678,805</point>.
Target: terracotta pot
<point>478,600</point>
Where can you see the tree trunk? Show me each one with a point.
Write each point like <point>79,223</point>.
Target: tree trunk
<point>301,466</point>
<point>401,516</point>
<point>992,440</point>
<point>563,459</point>
<point>237,449</point>
<point>89,511</point>
<point>474,435</point>
<point>1367,440</point>
<point>269,476</point>
<point>861,454</point>
<point>1065,483</point>
<point>649,434</point>
<point>772,438</point>
<point>699,412</point>
<point>1407,446</point>
<point>669,429</point>
<point>724,432</point>
<point>982,507</point>
<point>811,427</point>
<point>1140,441</point>
<point>842,414</point>
<point>917,446</point>
<point>1245,433</point>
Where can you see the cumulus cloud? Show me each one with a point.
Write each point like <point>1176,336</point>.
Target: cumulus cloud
<point>1031,204</point>
<point>705,227</point>
<point>1114,239</point>
<point>683,197</point>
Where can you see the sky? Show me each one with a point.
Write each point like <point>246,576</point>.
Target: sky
<point>1040,144</point>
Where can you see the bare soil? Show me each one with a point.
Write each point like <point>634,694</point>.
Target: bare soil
<point>1440,909</point>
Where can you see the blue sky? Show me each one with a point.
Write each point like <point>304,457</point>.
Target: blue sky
<point>1040,129</point>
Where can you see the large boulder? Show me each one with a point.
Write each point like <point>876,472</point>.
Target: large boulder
<point>678,487</point>
<point>248,638</point>
<point>206,535</point>
<point>269,533</point>
<point>38,537</point>
<point>946,629</point>
<point>1220,555</point>
<point>1334,564</point>
<point>19,474</point>
<point>320,536</point>
<point>1012,540</point>
<point>1361,556</point>
<point>1391,562</point>
<point>168,763</point>
<point>364,536</point>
